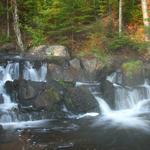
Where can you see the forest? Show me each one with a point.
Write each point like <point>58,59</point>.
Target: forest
<point>84,26</point>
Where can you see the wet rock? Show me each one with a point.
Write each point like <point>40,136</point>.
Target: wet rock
<point>1,99</point>
<point>80,100</point>
<point>9,86</point>
<point>49,100</point>
<point>52,97</point>
<point>69,73</point>
<point>26,91</point>
<point>10,90</point>
<point>108,92</point>
<point>1,129</point>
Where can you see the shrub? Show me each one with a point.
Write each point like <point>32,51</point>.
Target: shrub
<point>120,42</point>
<point>37,36</point>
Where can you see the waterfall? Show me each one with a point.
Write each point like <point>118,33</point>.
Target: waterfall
<point>9,72</point>
<point>31,73</point>
<point>132,105</point>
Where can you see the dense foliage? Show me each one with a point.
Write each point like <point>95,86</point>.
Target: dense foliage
<point>70,22</point>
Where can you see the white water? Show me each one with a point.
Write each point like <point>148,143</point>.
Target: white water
<point>10,72</point>
<point>31,73</point>
<point>7,73</point>
<point>24,124</point>
<point>132,106</point>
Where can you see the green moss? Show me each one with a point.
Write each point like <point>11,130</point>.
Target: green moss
<point>53,94</point>
<point>62,82</point>
<point>121,42</point>
<point>66,84</point>
<point>132,67</point>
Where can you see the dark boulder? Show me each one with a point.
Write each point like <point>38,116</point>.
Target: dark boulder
<point>1,99</point>
<point>108,92</point>
<point>9,86</point>
<point>1,129</point>
<point>80,100</point>
<point>25,90</point>
<point>49,100</point>
<point>11,90</point>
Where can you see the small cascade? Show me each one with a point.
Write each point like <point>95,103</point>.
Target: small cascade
<point>9,72</point>
<point>127,97</point>
<point>31,73</point>
<point>115,77</point>
<point>132,105</point>
<point>9,111</point>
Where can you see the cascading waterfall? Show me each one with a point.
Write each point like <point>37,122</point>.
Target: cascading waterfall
<point>8,109</point>
<point>31,73</point>
<point>7,73</point>
<point>132,105</point>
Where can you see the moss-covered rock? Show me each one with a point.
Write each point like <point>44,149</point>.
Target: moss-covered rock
<point>80,100</point>
<point>133,73</point>
<point>49,99</point>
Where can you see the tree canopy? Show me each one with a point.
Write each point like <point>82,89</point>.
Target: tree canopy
<point>65,21</point>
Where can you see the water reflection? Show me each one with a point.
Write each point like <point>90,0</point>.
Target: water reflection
<point>75,135</point>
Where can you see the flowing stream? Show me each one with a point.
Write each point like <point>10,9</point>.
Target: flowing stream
<point>124,127</point>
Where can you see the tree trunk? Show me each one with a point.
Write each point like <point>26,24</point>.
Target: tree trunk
<point>120,17</point>
<point>8,23</point>
<point>145,18</point>
<point>16,25</point>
